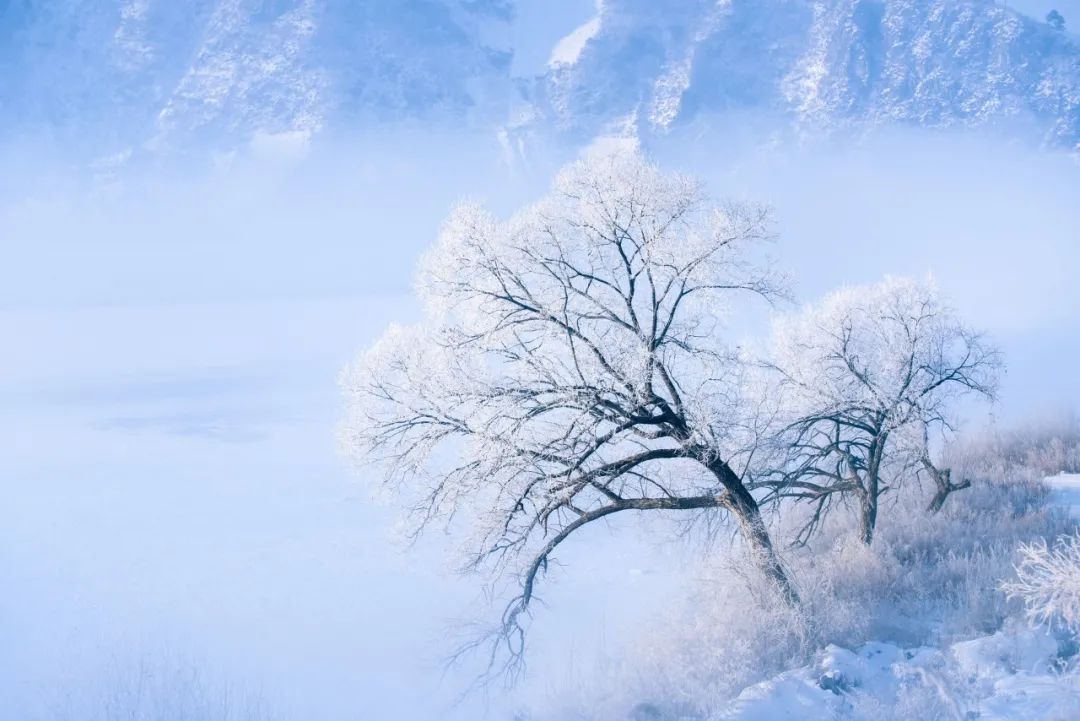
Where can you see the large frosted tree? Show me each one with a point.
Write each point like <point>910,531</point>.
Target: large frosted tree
<point>866,376</point>
<point>571,366</point>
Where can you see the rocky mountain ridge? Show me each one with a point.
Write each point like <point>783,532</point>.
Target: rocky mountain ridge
<point>161,73</point>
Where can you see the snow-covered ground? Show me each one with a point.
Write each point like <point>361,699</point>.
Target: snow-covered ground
<point>1067,491</point>
<point>1014,675</point>
<point>1020,673</point>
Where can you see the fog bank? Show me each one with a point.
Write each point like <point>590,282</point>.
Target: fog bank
<point>168,382</point>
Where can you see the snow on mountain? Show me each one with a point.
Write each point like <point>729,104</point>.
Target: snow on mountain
<point>824,64</point>
<point>167,72</point>
<point>568,49</point>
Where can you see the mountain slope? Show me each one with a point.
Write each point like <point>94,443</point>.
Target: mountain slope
<point>171,72</point>
<point>823,64</point>
<point>167,73</point>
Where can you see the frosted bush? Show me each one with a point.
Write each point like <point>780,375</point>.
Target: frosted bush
<point>1048,581</point>
<point>928,701</point>
<point>1030,452</point>
<point>156,689</point>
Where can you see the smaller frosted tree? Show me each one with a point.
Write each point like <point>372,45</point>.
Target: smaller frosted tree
<point>866,376</point>
<point>570,367</point>
<point>1055,20</point>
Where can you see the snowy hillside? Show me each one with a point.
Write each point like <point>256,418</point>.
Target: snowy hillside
<point>825,64</point>
<point>129,73</point>
<point>168,72</point>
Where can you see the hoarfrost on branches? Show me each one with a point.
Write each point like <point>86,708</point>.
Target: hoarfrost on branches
<point>1048,581</point>
<point>866,376</point>
<point>571,365</point>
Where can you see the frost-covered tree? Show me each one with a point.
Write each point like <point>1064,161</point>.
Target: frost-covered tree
<point>1055,20</point>
<point>570,366</point>
<point>865,376</point>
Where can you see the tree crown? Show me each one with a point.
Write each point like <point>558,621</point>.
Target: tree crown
<point>884,355</point>
<point>569,358</point>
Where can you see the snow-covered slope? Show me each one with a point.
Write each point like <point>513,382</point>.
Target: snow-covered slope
<point>165,72</point>
<point>824,64</point>
<point>174,70</point>
<point>1017,674</point>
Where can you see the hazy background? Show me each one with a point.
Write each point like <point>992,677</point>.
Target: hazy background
<point>171,488</point>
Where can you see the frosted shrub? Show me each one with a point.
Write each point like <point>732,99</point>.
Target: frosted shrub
<point>1049,446</point>
<point>1048,581</point>
<point>913,702</point>
<point>157,690</point>
<point>945,570</point>
<point>1029,452</point>
<point>727,636</point>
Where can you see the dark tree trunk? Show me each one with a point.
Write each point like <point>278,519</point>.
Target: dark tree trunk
<point>745,508</point>
<point>945,486</point>
<point>868,506</point>
<point>938,500</point>
<point>868,502</point>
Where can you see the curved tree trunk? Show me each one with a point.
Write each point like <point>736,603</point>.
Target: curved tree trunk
<point>745,508</point>
<point>943,482</point>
